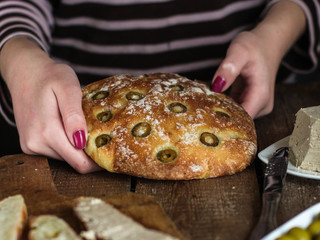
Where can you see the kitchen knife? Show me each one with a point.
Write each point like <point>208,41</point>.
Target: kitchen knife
<point>274,177</point>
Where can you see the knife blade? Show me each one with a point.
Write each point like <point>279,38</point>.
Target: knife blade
<point>273,182</point>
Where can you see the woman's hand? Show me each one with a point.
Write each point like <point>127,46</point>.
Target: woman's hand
<point>46,99</point>
<point>253,58</point>
<point>251,72</point>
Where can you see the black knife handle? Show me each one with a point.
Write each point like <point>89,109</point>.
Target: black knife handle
<point>268,218</point>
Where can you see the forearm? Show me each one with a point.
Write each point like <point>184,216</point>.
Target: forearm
<point>21,56</point>
<point>283,24</point>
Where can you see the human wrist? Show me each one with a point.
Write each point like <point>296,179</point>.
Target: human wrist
<point>281,27</point>
<point>19,54</point>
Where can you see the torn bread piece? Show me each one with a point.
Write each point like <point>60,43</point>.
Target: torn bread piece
<point>106,222</point>
<point>47,227</point>
<point>13,217</point>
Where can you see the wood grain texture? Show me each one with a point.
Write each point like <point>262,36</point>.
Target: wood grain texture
<point>206,209</point>
<point>99,184</point>
<point>31,177</point>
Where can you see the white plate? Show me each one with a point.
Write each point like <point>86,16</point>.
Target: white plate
<point>301,220</point>
<point>265,154</point>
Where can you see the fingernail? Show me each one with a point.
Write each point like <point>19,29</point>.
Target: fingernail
<point>79,139</point>
<point>218,84</point>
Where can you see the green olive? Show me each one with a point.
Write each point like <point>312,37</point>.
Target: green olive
<point>177,87</point>
<point>134,96</point>
<point>177,107</point>
<point>209,139</point>
<point>141,130</point>
<point>167,156</point>
<point>214,97</point>
<point>100,95</point>
<point>285,237</point>
<point>314,228</point>
<point>104,116</point>
<point>299,233</point>
<point>222,114</point>
<point>102,140</point>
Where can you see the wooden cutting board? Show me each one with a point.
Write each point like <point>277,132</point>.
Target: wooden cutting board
<point>31,177</point>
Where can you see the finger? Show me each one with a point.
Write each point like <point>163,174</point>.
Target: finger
<point>255,112</point>
<point>231,67</point>
<point>256,101</point>
<point>76,158</point>
<point>69,98</point>
<point>55,144</point>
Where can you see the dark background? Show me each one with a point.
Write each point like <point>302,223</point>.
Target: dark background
<point>9,139</point>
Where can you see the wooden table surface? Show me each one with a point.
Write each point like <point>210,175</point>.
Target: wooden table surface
<point>219,208</point>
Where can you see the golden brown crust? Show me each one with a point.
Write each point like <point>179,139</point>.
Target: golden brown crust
<point>173,113</point>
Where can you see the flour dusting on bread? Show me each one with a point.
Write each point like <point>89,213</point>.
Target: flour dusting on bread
<point>162,125</point>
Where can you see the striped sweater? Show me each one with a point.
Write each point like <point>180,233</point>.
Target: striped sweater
<point>99,38</point>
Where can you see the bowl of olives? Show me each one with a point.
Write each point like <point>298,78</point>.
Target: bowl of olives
<point>304,226</point>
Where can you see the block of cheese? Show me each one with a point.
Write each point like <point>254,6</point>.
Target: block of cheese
<point>304,143</point>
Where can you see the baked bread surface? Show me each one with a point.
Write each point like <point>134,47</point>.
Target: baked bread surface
<point>165,126</point>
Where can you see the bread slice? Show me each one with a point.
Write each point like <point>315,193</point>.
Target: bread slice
<point>13,217</point>
<point>107,223</point>
<point>46,227</point>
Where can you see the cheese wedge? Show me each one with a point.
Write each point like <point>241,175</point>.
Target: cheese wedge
<point>304,143</point>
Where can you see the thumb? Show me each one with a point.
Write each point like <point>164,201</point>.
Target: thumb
<point>70,105</point>
<point>230,68</point>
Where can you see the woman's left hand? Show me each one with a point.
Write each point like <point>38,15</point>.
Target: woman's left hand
<point>253,58</point>
<point>251,70</point>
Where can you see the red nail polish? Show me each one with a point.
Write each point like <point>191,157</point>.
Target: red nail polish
<point>79,139</point>
<point>218,84</point>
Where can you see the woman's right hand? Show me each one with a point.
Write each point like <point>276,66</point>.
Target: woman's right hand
<point>46,100</point>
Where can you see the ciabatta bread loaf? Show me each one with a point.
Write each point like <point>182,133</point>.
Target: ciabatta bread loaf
<point>50,227</point>
<point>13,217</point>
<point>165,126</point>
